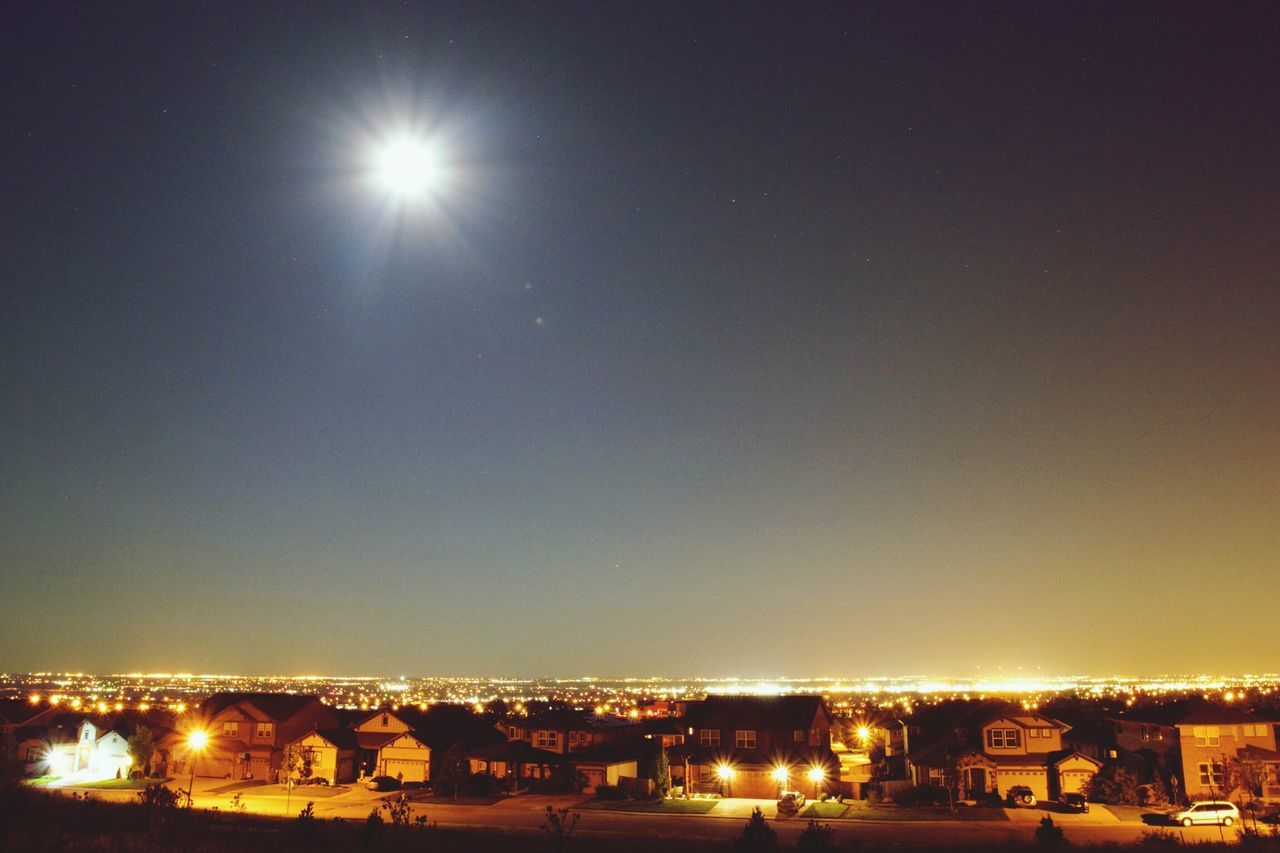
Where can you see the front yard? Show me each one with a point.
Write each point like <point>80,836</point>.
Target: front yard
<point>829,810</point>
<point>862,811</point>
<point>672,806</point>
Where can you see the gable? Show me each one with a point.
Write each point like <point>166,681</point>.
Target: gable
<point>315,739</point>
<point>374,723</point>
<point>405,741</point>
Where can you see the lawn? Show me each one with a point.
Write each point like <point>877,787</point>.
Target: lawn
<point>824,811</point>
<point>423,795</point>
<point>117,784</point>
<point>861,811</point>
<point>672,806</point>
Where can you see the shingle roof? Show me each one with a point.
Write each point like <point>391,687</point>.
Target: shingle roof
<point>341,738</point>
<point>275,706</point>
<point>777,713</point>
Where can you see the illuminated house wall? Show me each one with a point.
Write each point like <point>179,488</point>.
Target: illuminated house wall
<point>89,755</point>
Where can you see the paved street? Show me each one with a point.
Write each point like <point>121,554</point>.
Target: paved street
<point>525,814</point>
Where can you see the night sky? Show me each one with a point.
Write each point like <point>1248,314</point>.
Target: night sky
<point>734,339</point>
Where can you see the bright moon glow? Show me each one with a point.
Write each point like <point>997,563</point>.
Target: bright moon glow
<point>408,167</point>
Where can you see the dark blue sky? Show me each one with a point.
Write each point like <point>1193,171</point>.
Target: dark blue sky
<point>748,339</point>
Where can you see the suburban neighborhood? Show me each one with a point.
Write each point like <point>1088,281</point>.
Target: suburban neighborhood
<point>719,756</point>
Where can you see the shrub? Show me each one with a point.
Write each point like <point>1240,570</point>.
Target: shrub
<point>757,836</point>
<point>610,792</point>
<point>1049,834</point>
<point>1158,838</point>
<point>816,838</point>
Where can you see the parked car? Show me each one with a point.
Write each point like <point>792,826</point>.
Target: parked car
<point>1020,796</point>
<point>790,802</point>
<point>1074,803</point>
<point>383,783</point>
<point>1207,811</point>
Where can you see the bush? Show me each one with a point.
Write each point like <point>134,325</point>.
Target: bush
<point>757,836</point>
<point>1159,838</point>
<point>1049,834</point>
<point>610,792</point>
<point>922,795</point>
<point>816,838</point>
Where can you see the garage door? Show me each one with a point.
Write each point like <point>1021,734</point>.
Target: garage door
<point>1073,781</point>
<point>405,770</point>
<point>754,784</point>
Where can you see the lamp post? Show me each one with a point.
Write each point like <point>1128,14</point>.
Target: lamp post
<point>816,775</point>
<point>197,740</point>
<point>725,773</point>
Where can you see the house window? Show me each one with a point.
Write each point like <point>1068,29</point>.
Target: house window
<point>744,739</point>
<point>1034,733</point>
<point>230,729</point>
<point>264,731</point>
<point>573,738</point>
<point>1207,736</point>
<point>513,733</point>
<point>544,739</point>
<point>386,720</point>
<point>1210,774</point>
<point>1255,731</point>
<point>1002,738</point>
<point>798,736</point>
<point>33,753</point>
<point>1046,733</point>
<point>709,737</point>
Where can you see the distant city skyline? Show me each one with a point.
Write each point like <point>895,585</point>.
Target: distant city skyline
<point>739,339</point>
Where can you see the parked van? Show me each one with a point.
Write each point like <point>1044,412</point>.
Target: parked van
<point>1208,811</point>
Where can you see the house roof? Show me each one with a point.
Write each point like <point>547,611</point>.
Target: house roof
<point>1196,712</point>
<point>515,751</point>
<point>776,713</point>
<point>600,755</point>
<point>17,712</point>
<point>1257,753</point>
<point>557,720</point>
<point>276,707</point>
<point>341,738</point>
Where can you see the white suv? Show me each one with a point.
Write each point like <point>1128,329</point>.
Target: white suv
<point>1212,811</point>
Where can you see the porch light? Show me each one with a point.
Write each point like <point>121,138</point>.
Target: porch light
<point>864,734</point>
<point>724,772</point>
<point>781,774</point>
<point>816,774</point>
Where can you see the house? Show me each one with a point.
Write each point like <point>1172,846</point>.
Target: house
<point>73,747</point>
<point>1210,737</point>
<point>327,754</point>
<point>755,746</point>
<point>988,747</point>
<point>390,746</point>
<point>557,731</point>
<point>247,733</point>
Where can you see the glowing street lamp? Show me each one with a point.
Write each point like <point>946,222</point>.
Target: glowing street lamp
<point>725,774</point>
<point>816,775</point>
<point>408,168</point>
<point>780,775</point>
<point>197,740</point>
<point>864,735</point>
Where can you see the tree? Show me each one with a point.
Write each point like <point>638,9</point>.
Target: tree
<point>454,768</point>
<point>307,760</point>
<point>757,836</point>
<point>1113,784</point>
<point>662,772</point>
<point>816,838</point>
<point>142,747</point>
<point>1050,835</point>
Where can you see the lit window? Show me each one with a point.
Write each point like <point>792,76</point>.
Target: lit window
<point>230,729</point>
<point>744,739</point>
<point>709,737</point>
<point>1002,738</point>
<point>798,735</point>
<point>264,730</point>
<point>544,739</point>
<point>1034,733</point>
<point>1207,736</point>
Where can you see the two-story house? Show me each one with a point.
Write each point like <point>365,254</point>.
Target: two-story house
<point>247,733</point>
<point>1209,738</point>
<point>756,746</point>
<point>989,747</point>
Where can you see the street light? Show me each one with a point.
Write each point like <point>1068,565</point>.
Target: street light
<point>816,775</point>
<point>197,740</point>
<point>725,773</point>
<point>780,775</point>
